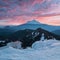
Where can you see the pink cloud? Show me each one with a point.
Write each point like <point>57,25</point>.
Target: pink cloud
<point>21,11</point>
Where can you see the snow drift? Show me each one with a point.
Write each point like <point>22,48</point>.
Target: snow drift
<point>41,50</point>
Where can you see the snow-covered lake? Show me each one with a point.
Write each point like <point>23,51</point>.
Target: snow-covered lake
<point>41,50</point>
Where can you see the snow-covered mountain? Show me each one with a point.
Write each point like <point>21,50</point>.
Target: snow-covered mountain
<point>33,24</point>
<point>43,43</point>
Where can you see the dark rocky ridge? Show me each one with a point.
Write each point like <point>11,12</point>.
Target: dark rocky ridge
<point>28,36</point>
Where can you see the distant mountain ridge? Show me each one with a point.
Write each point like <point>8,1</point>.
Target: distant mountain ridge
<point>33,24</point>
<point>56,32</point>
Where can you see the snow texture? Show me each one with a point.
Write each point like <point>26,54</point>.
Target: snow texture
<point>41,50</point>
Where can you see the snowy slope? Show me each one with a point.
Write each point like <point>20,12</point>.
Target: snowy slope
<point>41,50</point>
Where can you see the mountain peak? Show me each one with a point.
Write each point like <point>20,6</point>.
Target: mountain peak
<point>33,22</point>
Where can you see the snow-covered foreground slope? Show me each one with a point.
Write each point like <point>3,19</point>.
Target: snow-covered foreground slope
<point>41,50</point>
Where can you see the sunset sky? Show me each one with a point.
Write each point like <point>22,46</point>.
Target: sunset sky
<point>15,12</point>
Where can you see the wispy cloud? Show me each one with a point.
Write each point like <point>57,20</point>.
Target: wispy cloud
<point>28,9</point>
